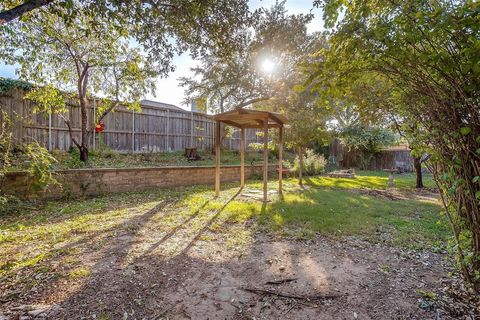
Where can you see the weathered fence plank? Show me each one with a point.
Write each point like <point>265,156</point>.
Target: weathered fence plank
<point>154,129</point>
<point>390,158</point>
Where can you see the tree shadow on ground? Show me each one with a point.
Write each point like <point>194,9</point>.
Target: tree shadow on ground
<point>132,278</point>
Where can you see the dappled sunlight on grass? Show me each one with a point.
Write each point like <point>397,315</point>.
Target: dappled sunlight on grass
<point>171,222</point>
<point>342,212</point>
<point>369,179</point>
<point>358,182</point>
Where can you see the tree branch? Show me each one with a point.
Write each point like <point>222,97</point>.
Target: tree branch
<point>251,101</point>
<point>18,11</point>
<point>112,106</point>
<point>70,131</point>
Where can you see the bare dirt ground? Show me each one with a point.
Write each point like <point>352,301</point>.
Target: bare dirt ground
<point>144,271</point>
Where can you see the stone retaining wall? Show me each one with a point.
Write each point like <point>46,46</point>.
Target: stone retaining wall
<point>90,182</point>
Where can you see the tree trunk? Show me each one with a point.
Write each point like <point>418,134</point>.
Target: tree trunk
<point>82,97</point>
<point>417,164</point>
<point>84,127</point>
<point>83,154</point>
<point>300,166</point>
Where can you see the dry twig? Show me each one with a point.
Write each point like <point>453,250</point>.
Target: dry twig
<point>288,295</point>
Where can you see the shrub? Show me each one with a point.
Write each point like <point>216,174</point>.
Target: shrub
<point>39,164</point>
<point>313,163</point>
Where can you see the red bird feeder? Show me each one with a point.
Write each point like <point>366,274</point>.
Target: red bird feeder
<point>99,127</point>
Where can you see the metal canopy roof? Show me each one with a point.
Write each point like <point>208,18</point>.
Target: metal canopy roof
<point>246,118</point>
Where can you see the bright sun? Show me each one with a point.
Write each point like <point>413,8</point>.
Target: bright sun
<point>268,65</point>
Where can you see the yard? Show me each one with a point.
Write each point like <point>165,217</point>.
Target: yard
<point>338,248</point>
<point>127,127</point>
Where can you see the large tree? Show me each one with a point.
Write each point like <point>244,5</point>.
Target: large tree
<point>75,57</point>
<point>307,124</point>
<point>161,27</point>
<point>80,45</point>
<point>262,67</point>
<point>428,52</point>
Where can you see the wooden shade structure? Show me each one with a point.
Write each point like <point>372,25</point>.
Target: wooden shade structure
<point>244,119</point>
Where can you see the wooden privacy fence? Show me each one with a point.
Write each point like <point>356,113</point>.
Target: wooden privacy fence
<point>398,157</point>
<point>154,129</point>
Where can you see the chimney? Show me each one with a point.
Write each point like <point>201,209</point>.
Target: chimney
<point>193,105</point>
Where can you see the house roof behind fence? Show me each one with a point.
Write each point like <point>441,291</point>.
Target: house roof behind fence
<point>160,105</point>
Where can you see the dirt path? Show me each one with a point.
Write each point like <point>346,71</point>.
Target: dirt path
<point>175,275</point>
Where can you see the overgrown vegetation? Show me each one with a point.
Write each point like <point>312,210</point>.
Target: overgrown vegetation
<point>417,60</point>
<point>367,140</point>
<point>313,164</point>
<point>7,85</point>
<point>109,159</point>
<point>35,159</point>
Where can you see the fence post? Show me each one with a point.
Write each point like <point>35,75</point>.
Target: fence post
<point>191,129</point>
<point>133,131</point>
<point>50,130</point>
<point>175,121</point>
<point>167,130</point>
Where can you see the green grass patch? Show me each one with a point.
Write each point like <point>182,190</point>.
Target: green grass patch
<point>370,179</point>
<point>108,159</point>
<point>341,212</point>
<point>80,272</point>
<point>62,231</point>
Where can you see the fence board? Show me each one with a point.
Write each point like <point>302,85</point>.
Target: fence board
<point>155,129</point>
<point>385,159</point>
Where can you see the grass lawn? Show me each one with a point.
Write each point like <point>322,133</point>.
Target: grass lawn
<point>108,159</point>
<point>371,179</point>
<point>38,237</point>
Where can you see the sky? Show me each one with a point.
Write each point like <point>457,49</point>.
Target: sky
<point>168,89</point>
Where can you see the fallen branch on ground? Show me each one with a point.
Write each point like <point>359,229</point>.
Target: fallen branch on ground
<point>288,295</point>
<point>291,307</point>
<point>281,281</point>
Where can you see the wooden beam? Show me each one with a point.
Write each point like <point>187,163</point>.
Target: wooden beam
<point>265,160</point>
<point>233,117</point>
<point>252,126</point>
<point>280,160</point>
<point>278,118</point>
<point>133,131</point>
<point>217,158</point>
<point>232,123</point>
<point>242,158</point>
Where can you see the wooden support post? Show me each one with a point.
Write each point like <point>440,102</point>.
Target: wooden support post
<point>242,158</point>
<point>217,158</point>
<point>265,159</point>
<point>280,159</point>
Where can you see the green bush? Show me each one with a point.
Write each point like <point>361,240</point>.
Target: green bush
<point>10,204</point>
<point>313,163</point>
<point>33,157</point>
